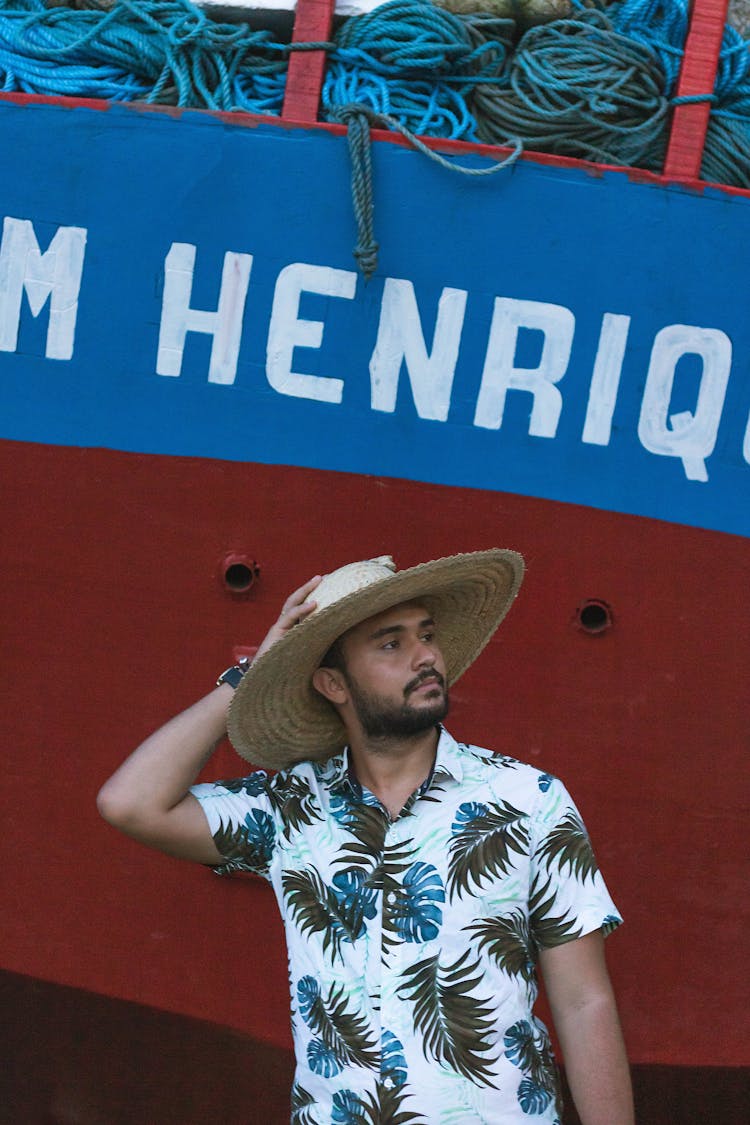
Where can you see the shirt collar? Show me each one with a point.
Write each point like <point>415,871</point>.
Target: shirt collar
<point>448,760</point>
<point>336,770</point>
<point>448,763</point>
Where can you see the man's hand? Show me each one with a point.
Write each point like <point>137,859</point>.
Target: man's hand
<point>296,608</point>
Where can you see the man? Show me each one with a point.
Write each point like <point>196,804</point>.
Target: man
<point>420,880</point>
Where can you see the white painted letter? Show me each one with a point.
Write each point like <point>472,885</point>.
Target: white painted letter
<point>177,318</point>
<point>689,436</point>
<point>746,443</point>
<point>605,380</point>
<point>287,331</point>
<point>57,272</point>
<point>500,374</point>
<point>400,340</point>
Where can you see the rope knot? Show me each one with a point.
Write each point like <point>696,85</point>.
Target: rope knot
<point>357,119</point>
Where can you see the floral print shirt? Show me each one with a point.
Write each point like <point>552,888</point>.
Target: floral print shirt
<point>412,941</point>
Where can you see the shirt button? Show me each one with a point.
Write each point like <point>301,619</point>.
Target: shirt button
<point>391,896</point>
<point>389,1083</point>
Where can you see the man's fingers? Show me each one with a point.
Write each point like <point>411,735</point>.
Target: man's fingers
<point>296,613</point>
<point>295,609</point>
<point>296,600</point>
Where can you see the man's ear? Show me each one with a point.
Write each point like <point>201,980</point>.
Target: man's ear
<point>330,683</point>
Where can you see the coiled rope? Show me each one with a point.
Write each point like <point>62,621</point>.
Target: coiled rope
<point>576,87</point>
<point>418,64</point>
<point>599,84</point>
<point>413,68</point>
<point>726,155</point>
<point>663,26</point>
<point>159,51</point>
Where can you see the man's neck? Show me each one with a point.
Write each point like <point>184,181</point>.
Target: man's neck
<point>393,768</point>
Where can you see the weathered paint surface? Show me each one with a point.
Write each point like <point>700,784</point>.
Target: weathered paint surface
<point>115,617</point>
<point>190,290</point>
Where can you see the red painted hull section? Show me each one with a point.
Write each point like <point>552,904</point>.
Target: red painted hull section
<point>116,617</point>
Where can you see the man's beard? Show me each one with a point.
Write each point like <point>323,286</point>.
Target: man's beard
<point>381,719</point>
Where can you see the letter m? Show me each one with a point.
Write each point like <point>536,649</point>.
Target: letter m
<point>54,276</point>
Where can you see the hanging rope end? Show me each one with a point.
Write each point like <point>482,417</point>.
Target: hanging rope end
<point>367,259</point>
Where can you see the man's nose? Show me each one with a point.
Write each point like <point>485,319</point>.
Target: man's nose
<point>424,655</point>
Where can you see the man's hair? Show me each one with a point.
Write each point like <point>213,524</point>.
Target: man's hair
<point>334,658</point>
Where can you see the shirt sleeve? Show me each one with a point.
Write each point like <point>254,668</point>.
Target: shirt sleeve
<point>241,818</point>
<point>568,897</point>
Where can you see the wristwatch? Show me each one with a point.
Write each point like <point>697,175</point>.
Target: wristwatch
<point>233,675</point>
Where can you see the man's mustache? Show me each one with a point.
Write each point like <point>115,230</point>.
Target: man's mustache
<point>422,677</point>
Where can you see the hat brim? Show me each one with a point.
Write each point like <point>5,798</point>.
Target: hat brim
<point>277,718</point>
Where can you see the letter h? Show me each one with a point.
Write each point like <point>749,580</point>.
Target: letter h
<point>177,318</point>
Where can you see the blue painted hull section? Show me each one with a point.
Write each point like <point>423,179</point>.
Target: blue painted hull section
<point>586,242</point>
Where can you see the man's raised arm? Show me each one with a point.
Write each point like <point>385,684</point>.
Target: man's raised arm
<point>148,798</point>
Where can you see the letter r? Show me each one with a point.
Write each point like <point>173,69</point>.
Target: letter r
<point>500,373</point>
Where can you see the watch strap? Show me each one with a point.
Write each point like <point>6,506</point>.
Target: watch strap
<point>233,675</point>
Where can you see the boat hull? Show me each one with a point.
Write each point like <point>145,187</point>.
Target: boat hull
<point>195,377</point>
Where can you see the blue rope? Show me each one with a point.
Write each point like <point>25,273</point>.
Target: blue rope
<point>358,119</point>
<point>726,154</point>
<point>693,99</point>
<point>417,64</point>
<point>661,25</point>
<point>578,87</point>
<point>157,51</point>
<point>358,138</point>
<point>599,85</point>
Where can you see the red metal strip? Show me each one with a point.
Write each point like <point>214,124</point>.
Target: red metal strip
<point>312,24</point>
<point>697,76</point>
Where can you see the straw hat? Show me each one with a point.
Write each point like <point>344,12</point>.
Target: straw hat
<point>277,717</point>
